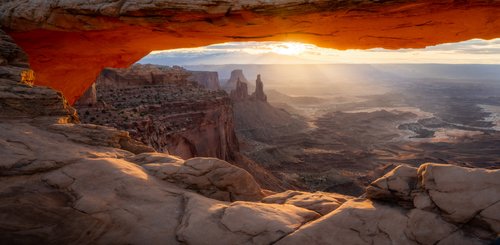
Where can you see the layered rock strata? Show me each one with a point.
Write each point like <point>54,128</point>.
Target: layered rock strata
<point>259,90</point>
<point>237,78</point>
<point>240,92</point>
<point>207,79</point>
<point>159,106</point>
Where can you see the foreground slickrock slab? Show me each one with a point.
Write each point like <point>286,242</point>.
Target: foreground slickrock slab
<point>320,202</point>
<point>209,222</point>
<point>210,177</point>
<point>78,38</point>
<point>450,214</point>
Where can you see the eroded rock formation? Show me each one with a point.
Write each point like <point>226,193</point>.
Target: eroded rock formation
<point>207,79</point>
<point>159,106</point>
<point>62,182</point>
<point>232,83</point>
<point>449,204</point>
<point>259,90</point>
<point>77,39</point>
<point>67,183</point>
<point>240,92</point>
<point>319,202</point>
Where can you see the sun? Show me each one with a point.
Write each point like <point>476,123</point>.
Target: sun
<point>289,48</point>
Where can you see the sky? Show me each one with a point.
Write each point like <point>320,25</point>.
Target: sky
<point>475,51</point>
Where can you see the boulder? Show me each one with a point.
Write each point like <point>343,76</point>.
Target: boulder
<point>210,177</point>
<point>395,185</point>
<point>211,222</point>
<point>320,202</point>
<point>463,193</point>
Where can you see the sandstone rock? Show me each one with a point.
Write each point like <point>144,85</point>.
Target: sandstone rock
<point>461,193</point>
<point>207,79</point>
<point>357,221</point>
<point>161,107</point>
<point>232,83</point>
<point>17,98</point>
<point>428,228</point>
<point>210,177</point>
<point>320,202</point>
<point>139,75</point>
<point>91,134</point>
<point>421,200</point>
<point>259,90</point>
<point>61,183</point>
<point>118,33</point>
<point>238,222</point>
<point>240,92</point>
<point>398,184</point>
<point>88,98</point>
<point>458,238</point>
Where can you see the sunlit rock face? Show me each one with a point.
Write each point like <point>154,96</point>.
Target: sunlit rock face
<point>76,39</point>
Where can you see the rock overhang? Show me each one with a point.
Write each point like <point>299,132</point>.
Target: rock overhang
<point>70,42</point>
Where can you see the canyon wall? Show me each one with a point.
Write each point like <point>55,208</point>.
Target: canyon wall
<point>232,83</point>
<point>207,79</point>
<point>159,106</point>
<point>255,118</point>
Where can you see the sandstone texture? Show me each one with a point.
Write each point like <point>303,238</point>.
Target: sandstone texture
<point>161,107</point>
<point>259,90</point>
<point>207,79</point>
<point>211,177</point>
<point>232,83</point>
<point>240,92</point>
<point>77,38</point>
<point>320,202</point>
<point>62,182</point>
<point>458,220</point>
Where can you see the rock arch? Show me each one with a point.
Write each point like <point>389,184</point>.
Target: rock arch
<point>69,42</point>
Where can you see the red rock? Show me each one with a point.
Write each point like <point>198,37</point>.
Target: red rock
<point>159,106</point>
<point>70,42</point>
<point>259,90</point>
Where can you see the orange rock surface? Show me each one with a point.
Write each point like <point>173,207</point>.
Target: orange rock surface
<point>68,47</point>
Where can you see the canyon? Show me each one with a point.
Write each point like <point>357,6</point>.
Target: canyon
<point>64,179</point>
<point>165,108</point>
<point>172,110</point>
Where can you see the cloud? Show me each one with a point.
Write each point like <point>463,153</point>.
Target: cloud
<point>471,51</point>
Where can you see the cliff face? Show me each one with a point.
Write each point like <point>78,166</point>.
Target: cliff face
<point>207,79</point>
<point>232,83</point>
<point>88,98</point>
<point>259,90</point>
<point>161,108</point>
<point>240,92</point>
